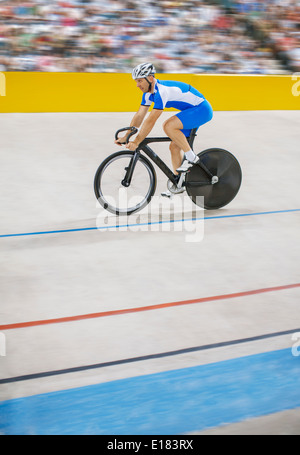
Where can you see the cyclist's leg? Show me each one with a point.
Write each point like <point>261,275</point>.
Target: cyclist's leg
<point>179,126</point>
<point>194,118</point>
<point>173,128</point>
<point>176,156</point>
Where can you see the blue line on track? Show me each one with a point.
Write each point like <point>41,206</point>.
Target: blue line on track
<point>172,402</point>
<point>117,226</point>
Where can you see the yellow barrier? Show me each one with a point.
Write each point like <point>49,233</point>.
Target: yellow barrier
<point>115,92</point>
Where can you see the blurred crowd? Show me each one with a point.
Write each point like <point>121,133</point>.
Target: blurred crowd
<point>276,22</point>
<point>243,36</point>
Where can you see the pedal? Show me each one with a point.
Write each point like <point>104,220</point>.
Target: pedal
<point>182,172</point>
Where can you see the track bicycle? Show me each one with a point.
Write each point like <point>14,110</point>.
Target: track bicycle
<point>126,181</point>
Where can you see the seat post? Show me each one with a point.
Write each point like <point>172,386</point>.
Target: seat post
<point>192,137</point>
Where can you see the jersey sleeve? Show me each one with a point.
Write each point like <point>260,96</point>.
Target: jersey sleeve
<point>146,100</point>
<point>160,99</point>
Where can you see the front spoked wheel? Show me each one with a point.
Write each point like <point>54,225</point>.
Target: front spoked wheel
<point>217,182</point>
<point>111,192</point>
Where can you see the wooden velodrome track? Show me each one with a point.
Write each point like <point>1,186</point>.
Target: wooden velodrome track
<point>147,330</point>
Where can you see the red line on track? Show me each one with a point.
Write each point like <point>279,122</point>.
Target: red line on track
<point>81,317</point>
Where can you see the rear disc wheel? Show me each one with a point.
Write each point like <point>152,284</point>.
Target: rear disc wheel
<point>221,164</point>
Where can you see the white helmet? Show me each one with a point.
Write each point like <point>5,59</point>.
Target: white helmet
<point>143,70</point>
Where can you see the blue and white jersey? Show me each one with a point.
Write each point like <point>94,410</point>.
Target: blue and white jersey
<point>177,95</point>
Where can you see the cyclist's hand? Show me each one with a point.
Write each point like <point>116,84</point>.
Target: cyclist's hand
<point>121,141</point>
<point>132,146</point>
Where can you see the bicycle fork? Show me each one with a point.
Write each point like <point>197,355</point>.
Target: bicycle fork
<point>130,169</point>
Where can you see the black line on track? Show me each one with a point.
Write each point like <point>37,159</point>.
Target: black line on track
<point>145,357</point>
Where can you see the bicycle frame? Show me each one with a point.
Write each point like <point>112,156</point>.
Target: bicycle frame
<point>143,146</point>
<point>215,166</point>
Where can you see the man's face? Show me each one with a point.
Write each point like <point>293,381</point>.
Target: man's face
<point>142,84</point>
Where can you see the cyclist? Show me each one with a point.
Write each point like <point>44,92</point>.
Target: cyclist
<point>195,111</point>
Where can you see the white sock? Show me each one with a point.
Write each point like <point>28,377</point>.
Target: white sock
<point>190,155</point>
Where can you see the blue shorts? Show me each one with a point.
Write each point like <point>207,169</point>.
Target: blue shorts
<point>194,117</point>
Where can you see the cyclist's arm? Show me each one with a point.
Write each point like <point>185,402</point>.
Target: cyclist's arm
<point>136,121</point>
<point>139,116</point>
<point>148,125</point>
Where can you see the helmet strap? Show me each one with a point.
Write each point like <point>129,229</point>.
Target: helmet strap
<point>150,83</point>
